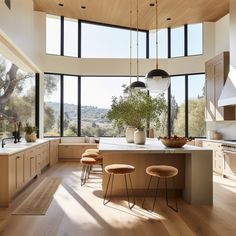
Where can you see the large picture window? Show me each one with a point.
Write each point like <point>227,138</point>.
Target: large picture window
<point>52,109</point>
<point>70,95</point>
<point>178,105</point>
<point>162,38</point>
<point>70,37</point>
<point>111,42</point>
<point>17,97</point>
<point>196,106</point>
<point>177,42</point>
<point>96,99</point>
<point>53,34</point>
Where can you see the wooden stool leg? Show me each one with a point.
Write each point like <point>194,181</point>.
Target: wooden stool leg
<point>147,191</point>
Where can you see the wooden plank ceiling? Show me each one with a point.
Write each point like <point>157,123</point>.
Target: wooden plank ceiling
<point>116,12</point>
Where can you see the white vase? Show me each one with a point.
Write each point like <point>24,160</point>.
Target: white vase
<point>140,137</point>
<point>129,134</point>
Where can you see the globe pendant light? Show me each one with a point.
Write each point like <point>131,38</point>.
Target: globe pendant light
<point>137,84</point>
<point>157,80</point>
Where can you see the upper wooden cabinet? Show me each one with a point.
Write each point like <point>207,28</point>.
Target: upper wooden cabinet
<point>217,70</point>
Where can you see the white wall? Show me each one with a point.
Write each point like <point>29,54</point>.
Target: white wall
<point>233,33</point>
<point>222,35</point>
<point>22,28</point>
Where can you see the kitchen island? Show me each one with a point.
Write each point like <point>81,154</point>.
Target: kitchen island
<point>194,181</point>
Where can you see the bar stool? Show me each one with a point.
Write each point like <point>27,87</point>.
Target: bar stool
<point>119,169</point>
<point>161,172</point>
<point>88,160</point>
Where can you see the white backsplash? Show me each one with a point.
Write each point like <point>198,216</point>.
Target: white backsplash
<point>226,128</point>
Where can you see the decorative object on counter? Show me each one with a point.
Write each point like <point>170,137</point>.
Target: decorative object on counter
<point>151,133</point>
<point>175,141</point>
<point>140,136</point>
<point>30,133</point>
<point>97,140</point>
<point>217,136</point>
<point>129,134</point>
<point>16,132</point>
<point>136,109</point>
<point>157,80</point>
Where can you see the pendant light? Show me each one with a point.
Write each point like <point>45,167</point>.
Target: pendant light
<point>157,80</point>
<point>137,84</point>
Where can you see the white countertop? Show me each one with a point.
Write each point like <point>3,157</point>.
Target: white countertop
<point>216,141</point>
<point>151,146</point>
<point>12,148</point>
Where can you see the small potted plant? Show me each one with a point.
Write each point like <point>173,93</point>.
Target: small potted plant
<point>30,133</point>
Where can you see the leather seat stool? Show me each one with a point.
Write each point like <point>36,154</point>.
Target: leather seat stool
<point>161,172</point>
<point>119,169</point>
<point>89,158</point>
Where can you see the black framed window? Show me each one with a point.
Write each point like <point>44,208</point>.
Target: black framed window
<point>17,97</point>
<point>186,99</point>
<point>70,103</point>
<point>195,39</point>
<point>177,42</point>
<point>177,118</point>
<point>196,105</point>
<point>71,37</point>
<point>52,108</point>
<point>162,43</point>
<point>53,34</point>
<point>111,42</point>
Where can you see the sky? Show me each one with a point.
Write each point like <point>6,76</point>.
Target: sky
<point>105,42</point>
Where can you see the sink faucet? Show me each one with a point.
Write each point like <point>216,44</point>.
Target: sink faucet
<point>4,139</point>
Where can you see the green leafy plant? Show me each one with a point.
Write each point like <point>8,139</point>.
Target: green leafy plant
<point>28,129</point>
<point>136,109</point>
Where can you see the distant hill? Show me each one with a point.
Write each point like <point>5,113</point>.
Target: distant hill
<point>87,112</point>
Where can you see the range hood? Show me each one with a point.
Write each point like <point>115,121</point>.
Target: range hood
<point>228,94</point>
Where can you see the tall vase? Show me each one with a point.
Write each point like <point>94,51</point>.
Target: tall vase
<point>140,137</point>
<point>129,134</point>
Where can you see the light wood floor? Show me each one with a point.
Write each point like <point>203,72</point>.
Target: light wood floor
<point>78,210</point>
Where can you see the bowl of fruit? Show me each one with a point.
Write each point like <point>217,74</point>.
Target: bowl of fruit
<point>174,141</point>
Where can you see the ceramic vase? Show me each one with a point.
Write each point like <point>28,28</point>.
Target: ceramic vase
<point>129,134</point>
<point>140,137</point>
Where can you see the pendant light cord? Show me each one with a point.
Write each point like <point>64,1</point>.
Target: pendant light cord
<point>130,45</point>
<point>137,42</point>
<point>156,38</point>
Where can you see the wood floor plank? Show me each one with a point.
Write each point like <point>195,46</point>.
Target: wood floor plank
<point>77,210</point>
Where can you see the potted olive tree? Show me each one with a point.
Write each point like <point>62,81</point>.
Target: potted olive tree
<point>137,109</point>
<point>30,133</point>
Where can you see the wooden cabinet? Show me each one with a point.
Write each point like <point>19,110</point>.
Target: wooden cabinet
<point>16,172</point>
<point>54,151</point>
<point>29,165</point>
<point>218,156</point>
<point>217,70</point>
<point>44,155</point>
<point>74,150</point>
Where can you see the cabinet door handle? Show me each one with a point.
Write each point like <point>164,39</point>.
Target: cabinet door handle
<point>18,157</point>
